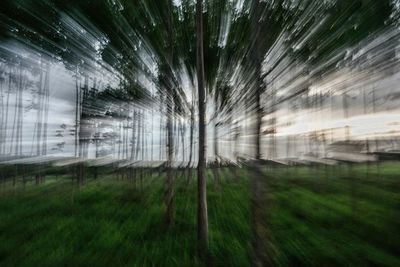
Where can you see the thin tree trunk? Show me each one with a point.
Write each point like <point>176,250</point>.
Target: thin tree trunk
<point>143,136</point>
<point>169,183</point>
<point>189,165</point>
<point>183,132</point>
<point>46,108</point>
<point>258,224</point>
<point>76,111</point>
<point>161,128</point>
<point>39,123</point>
<point>127,137</point>
<point>216,150</point>
<point>138,135</point>
<point>2,118</point>
<point>40,110</point>
<point>152,135</point>
<point>7,109</point>
<point>14,123</point>
<point>202,216</point>
<point>260,242</point>
<point>216,154</point>
<point>123,139</point>
<point>82,130</point>
<point>119,140</point>
<point>170,178</point>
<point>133,135</point>
<point>18,140</point>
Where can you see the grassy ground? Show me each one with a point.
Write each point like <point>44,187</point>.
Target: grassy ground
<point>339,216</point>
<point>336,216</point>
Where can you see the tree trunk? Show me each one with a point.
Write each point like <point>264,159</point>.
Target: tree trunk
<point>1,118</point>
<point>258,114</point>
<point>202,216</point>
<point>77,107</point>
<point>13,125</point>
<point>133,135</point>
<point>258,210</point>
<point>216,154</point>
<point>138,135</point>
<point>119,139</point>
<point>152,136</point>
<point>39,113</point>
<point>183,132</point>
<point>170,179</point>
<point>259,200</point>
<point>7,110</point>
<point>189,165</point>
<point>169,182</point>
<point>82,135</point>
<point>18,140</point>
<point>46,108</point>
<point>143,136</point>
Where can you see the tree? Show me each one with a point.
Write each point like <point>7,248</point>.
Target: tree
<point>202,216</point>
<point>169,183</point>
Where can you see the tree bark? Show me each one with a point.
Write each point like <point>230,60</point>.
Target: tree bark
<point>133,135</point>
<point>46,108</point>
<point>169,182</point>
<point>259,200</point>
<point>77,107</point>
<point>138,135</point>
<point>169,215</point>
<point>202,216</point>
<point>39,113</point>
<point>189,165</point>
<point>216,153</point>
<point>1,119</point>
<point>7,110</point>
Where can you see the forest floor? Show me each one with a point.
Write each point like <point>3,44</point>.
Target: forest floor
<point>347,215</point>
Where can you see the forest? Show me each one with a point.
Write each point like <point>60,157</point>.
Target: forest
<point>199,133</point>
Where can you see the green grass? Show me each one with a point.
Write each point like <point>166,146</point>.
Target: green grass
<point>112,223</point>
<point>336,216</point>
<point>339,216</point>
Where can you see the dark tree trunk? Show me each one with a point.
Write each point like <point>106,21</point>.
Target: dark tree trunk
<point>133,135</point>
<point>216,150</point>
<point>119,139</point>
<point>189,165</point>
<point>258,114</point>
<point>39,115</point>
<point>46,108</point>
<point>152,136</point>
<point>216,154</point>
<point>77,112</point>
<point>261,249</point>
<point>169,182</point>
<point>18,140</point>
<point>138,135</point>
<point>258,220</point>
<point>143,136</point>
<point>82,130</point>
<point>161,129</point>
<point>7,109</point>
<point>1,118</point>
<point>202,216</point>
<point>170,179</point>
<point>183,132</point>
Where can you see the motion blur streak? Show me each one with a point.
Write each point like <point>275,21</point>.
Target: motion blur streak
<point>329,81</point>
<point>114,84</point>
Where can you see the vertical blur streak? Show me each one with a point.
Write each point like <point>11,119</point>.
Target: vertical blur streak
<point>255,94</point>
<point>313,82</point>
